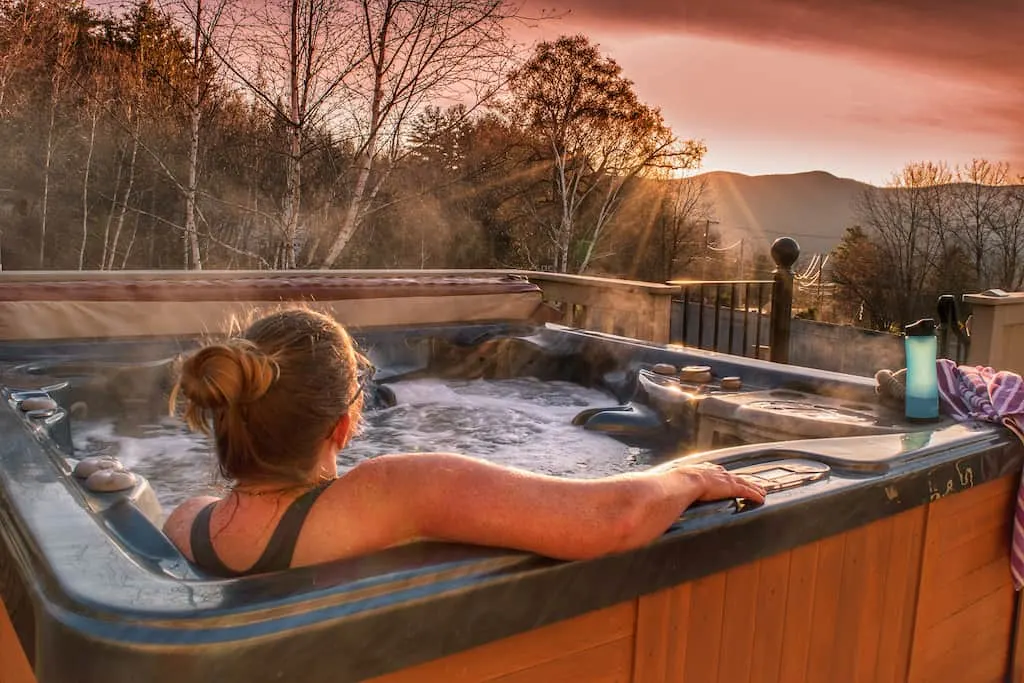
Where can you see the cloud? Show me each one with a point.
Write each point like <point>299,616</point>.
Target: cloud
<point>980,37</point>
<point>977,41</point>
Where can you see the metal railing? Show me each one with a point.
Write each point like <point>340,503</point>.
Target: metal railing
<point>737,303</point>
<point>741,303</point>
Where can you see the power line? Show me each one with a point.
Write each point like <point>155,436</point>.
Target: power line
<point>787,233</point>
<point>810,268</point>
<point>728,248</point>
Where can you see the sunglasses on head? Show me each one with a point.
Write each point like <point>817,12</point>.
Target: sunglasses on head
<point>365,372</point>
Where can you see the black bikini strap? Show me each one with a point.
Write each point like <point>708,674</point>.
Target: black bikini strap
<point>203,552</point>
<point>281,546</point>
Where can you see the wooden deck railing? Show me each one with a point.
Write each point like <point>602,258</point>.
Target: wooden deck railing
<point>641,310</point>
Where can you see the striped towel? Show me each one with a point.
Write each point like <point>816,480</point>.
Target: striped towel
<point>981,393</point>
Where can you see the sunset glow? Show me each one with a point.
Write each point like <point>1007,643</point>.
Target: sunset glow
<point>860,102</point>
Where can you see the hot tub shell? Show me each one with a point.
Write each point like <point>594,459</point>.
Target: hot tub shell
<point>889,569</point>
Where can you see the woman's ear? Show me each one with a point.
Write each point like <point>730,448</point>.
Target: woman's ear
<point>342,431</point>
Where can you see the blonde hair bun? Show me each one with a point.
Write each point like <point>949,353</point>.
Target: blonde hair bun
<point>221,375</point>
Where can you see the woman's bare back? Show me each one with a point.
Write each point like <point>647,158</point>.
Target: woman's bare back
<point>397,499</point>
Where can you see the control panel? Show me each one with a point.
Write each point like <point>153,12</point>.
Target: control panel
<point>774,476</point>
<point>779,475</point>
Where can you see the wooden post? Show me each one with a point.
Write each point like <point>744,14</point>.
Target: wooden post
<point>997,326</point>
<point>661,315</point>
<point>785,252</point>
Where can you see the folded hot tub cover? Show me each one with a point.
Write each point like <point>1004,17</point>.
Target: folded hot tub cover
<point>156,303</point>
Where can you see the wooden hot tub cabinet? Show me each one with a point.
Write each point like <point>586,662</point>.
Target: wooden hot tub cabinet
<point>922,596</point>
<point>14,668</point>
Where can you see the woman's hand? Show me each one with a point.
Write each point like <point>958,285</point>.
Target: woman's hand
<point>718,483</point>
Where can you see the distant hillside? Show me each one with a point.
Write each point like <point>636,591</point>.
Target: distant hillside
<point>814,208</point>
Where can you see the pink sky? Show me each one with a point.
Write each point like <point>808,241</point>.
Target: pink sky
<point>856,88</point>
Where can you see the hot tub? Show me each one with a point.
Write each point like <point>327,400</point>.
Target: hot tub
<point>881,554</point>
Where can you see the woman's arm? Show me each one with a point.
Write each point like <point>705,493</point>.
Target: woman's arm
<point>456,498</point>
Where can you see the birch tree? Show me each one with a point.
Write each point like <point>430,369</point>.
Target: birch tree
<point>64,36</point>
<point>417,52</point>
<point>202,22</point>
<point>93,109</point>
<point>293,57</point>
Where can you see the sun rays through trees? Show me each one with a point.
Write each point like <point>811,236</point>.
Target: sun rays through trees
<point>323,133</point>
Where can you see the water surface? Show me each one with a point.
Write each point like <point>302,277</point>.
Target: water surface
<point>523,423</point>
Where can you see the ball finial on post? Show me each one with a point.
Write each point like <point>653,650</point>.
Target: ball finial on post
<point>785,252</point>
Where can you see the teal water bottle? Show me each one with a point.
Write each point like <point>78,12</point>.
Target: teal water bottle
<point>922,402</point>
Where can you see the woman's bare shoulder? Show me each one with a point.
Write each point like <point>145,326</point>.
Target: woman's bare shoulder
<point>178,525</point>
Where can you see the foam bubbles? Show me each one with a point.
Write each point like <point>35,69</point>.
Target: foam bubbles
<point>519,422</point>
<point>523,423</point>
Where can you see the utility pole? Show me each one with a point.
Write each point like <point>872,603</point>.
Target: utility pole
<point>707,248</point>
<point>707,251</point>
<point>821,271</point>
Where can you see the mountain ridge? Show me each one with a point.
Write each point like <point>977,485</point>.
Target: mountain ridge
<point>812,173</point>
<point>814,207</point>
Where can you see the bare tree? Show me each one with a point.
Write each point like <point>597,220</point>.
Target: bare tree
<point>294,57</point>
<point>93,108</point>
<point>987,214</point>
<point>15,42</point>
<point>65,35</point>
<point>202,20</point>
<point>597,136</point>
<point>131,114</point>
<point>417,51</point>
<point>688,209</point>
<point>901,220</point>
<point>1008,240</point>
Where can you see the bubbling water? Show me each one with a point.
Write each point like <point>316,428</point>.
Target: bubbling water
<point>522,423</point>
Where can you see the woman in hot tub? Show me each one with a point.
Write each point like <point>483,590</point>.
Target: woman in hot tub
<point>284,397</point>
